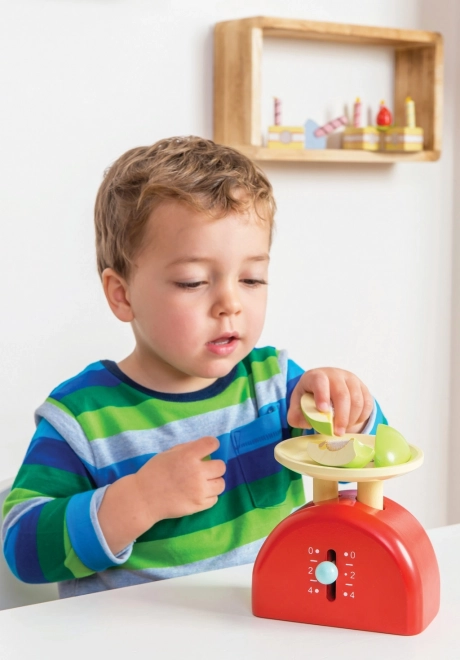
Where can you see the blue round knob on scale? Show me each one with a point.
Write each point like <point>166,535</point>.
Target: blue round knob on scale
<point>326,572</point>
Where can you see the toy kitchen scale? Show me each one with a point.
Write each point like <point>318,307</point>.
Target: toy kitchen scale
<point>349,559</point>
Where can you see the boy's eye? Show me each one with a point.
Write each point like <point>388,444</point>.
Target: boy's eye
<point>189,285</point>
<point>254,283</point>
<point>194,285</point>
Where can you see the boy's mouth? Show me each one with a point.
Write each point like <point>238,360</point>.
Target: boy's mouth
<point>224,339</point>
<point>224,345</point>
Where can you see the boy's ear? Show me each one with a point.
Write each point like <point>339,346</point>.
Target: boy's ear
<point>116,292</point>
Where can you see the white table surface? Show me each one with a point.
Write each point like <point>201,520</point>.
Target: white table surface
<point>209,616</point>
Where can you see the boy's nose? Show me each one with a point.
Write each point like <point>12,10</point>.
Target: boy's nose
<point>227,302</point>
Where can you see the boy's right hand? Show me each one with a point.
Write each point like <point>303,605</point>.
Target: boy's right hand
<point>179,482</point>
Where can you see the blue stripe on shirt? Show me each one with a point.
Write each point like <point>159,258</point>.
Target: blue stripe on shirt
<point>93,376</point>
<point>57,454</point>
<point>25,546</point>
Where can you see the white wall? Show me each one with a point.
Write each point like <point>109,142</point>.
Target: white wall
<point>361,274</point>
<point>454,481</point>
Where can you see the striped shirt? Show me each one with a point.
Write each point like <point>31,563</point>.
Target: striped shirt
<point>100,426</point>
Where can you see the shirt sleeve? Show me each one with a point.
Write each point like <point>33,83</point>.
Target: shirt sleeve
<point>50,527</point>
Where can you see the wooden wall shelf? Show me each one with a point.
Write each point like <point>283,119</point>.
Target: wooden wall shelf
<point>418,57</point>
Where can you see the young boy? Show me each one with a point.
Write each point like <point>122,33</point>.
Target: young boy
<point>162,465</point>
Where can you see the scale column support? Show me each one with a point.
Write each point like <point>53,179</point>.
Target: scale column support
<point>324,490</point>
<point>371,493</point>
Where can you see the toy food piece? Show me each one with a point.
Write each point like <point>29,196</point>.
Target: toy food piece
<point>286,137</point>
<point>402,138</point>
<point>384,117</point>
<point>367,138</point>
<point>322,422</point>
<point>391,448</point>
<point>350,453</point>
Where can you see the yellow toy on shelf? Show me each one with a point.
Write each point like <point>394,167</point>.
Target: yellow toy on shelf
<point>367,138</point>
<point>405,138</point>
<point>402,138</point>
<point>284,137</point>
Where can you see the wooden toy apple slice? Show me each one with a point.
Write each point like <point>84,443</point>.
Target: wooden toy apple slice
<point>391,448</point>
<point>322,422</point>
<point>348,453</point>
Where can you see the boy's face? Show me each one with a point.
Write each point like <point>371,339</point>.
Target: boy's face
<point>198,295</point>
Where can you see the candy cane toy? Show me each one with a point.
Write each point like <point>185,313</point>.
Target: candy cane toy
<point>331,126</point>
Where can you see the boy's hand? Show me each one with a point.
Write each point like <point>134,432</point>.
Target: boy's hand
<point>178,482</point>
<point>351,399</point>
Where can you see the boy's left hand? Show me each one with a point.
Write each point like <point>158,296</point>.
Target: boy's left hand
<point>352,401</point>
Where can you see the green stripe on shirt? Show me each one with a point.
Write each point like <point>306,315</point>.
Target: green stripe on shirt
<point>204,544</point>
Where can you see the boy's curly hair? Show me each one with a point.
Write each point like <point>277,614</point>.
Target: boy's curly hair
<point>209,177</point>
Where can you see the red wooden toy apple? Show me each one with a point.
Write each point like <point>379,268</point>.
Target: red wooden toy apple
<point>384,117</point>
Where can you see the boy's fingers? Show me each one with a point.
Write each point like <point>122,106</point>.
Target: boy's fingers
<point>210,502</point>
<point>317,383</point>
<point>295,418</point>
<point>204,446</point>
<point>294,415</point>
<point>356,403</point>
<point>341,402</point>
<point>368,406</point>
<point>214,469</point>
<point>216,486</point>
<point>350,398</point>
<point>321,389</point>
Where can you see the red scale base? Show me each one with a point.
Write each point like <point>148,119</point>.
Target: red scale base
<point>388,576</point>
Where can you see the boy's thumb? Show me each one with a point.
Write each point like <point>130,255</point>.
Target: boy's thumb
<point>205,446</point>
